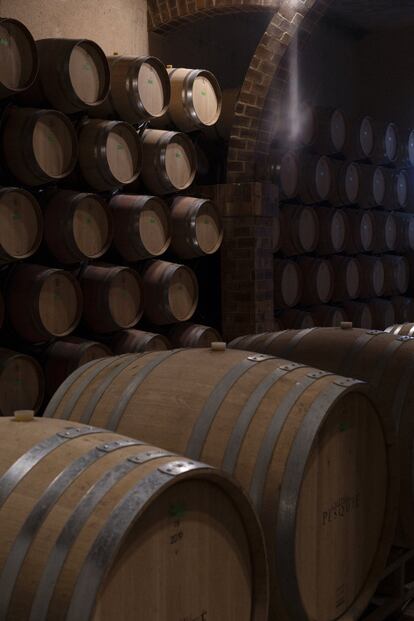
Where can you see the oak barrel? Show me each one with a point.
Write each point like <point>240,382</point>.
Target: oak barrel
<point>396,275</point>
<point>361,237</point>
<point>404,329</point>
<point>346,184</point>
<point>294,318</point>
<point>403,308</point>
<point>387,144</point>
<point>22,382</point>
<point>78,226</point>
<point>306,177</point>
<point>73,75</point>
<point>18,58</point>
<point>405,232</point>
<point>293,436</point>
<point>112,297</point>
<point>397,190</point>
<point>135,341</point>
<point>169,163</point>
<point>195,100</point>
<point>373,186</point>
<point>66,355</point>
<point>38,146</point>
<point>288,283</point>
<point>318,280</point>
<point>359,313</point>
<point>372,271</point>
<point>347,278</point>
<point>383,313</point>
<point>140,89</point>
<point>361,139</point>
<point>323,129</point>
<point>142,226</point>
<point>329,316</point>
<point>42,302</point>
<point>193,335</point>
<point>110,154</point>
<point>333,230</point>
<point>170,292</point>
<point>385,231</point>
<point>21,224</point>
<point>406,156</point>
<point>299,230</point>
<point>197,229</point>
<point>85,510</point>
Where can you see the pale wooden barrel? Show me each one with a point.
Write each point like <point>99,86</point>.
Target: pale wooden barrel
<point>288,283</point>
<point>38,146</point>
<point>113,298</point>
<point>346,278</point>
<point>396,275</point>
<point>110,154</point>
<point>65,356</point>
<point>372,271</point>
<point>169,163</point>
<point>42,302</point>
<point>387,144</point>
<point>299,230</point>
<point>78,226</point>
<point>195,100</point>
<point>317,278</point>
<point>323,129</point>
<point>346,184</point>
<point>18,58</point>
<point>373,186</point>
<point>405,329</point>
<point>361,236</point>
<point>385,231</point>
<point>405,232</point>
<point>197,229</point>
<point>135,341</point>
<point>170,292</point>
<point>361,140</point>
<point>383,313</point>
<point>329,316</point>
<point>294,318</point>
<point>22,382</point>
<point>21,224</point>
<point>73,76</point>
<point>359,313</point>
<point>142,226</point>
<point>403,308</point>
<point>85,509</point>
<point>193,335</point>
<point>383,360</point>
<point>333,230</point>
<point>305,177</point>
<point>140,89</point>
<point>397,190</point>
<point>250,415</point>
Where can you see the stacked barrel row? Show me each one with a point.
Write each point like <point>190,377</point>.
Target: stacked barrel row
<point>345,228</point>
<point>100,254</point>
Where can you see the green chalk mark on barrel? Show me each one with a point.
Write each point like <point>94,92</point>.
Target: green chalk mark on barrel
<point>177,511</point>
<point>51,138</point>
<point>343,427</point>
<point>152,220</point>
<point>177,155</point>
<point>150,81</point>
<point>4,42</point>
<point>203,93</point>
<point>120,147</point>
<point>16,216</point>
<point>87,67</point>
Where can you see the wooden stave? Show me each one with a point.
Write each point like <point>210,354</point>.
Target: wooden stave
<point>149,473</point>
<point>5,257</point>
<point>193,335</point>
<point>279,299</point>
<point>7,91</point>
<point>404,329</point>
<point>184,213</point>
<point>135,341</point>
<point>298,611</point>
<point>9,356</point>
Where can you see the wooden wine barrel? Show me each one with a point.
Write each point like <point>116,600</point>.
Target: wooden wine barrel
<point>170,292</point>
<point>299,226</point>
<point>195,100</point>
<point>396,275</point>
<point>397,193</point>
<point>250,415</point>
<point>78,226</point>
<point>372,275</point>
<point>18,58</point>
<point>85,509</point>
<point>140,89</point>
<point>403,308</point>
<point>73,75</point>
<point>38,146</point>
<point>110,154</point>
<point>385,231</point>
<point>383,360</point>
<point>405,232</point>
<point>65,356</point>
<point>197,229</point>
<point>112,297</point>
<point>373,186</point>
<point>361,236</point>
<point>193,335</point>
<point>361,140</point>
<point>333,230</point>
<point>382,312</point>
<point>346,184</point>
<point>359,314</point>
<point>323,129</point>
<point>306,177</point>
<point>288,283</point>
<point>294,318</point>
<point>21,224</point>
<point>317,278</point>
<point>406,156</point>
<point>387,144</point>
<point>405,329</point>
<point>169,163</point>
<point>135,341</point>
<point>22,383</point>
<point>329,316</point>
<point>42,303</point>
<point>346,278</point>
<point>142,226</point>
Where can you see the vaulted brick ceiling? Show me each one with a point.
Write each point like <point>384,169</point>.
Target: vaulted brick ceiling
<point>373,14</point>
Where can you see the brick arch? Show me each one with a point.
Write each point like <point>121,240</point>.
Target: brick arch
<point>166,15</point>
<point>265,82</point>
